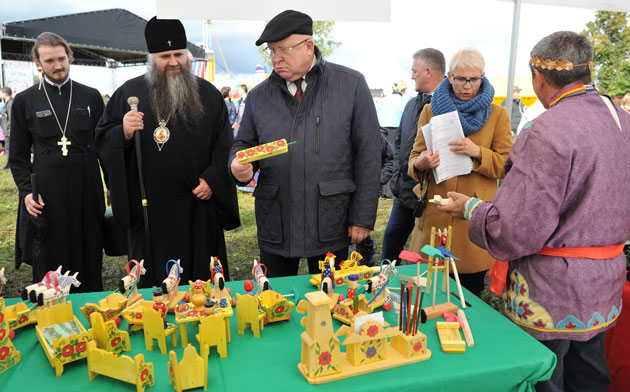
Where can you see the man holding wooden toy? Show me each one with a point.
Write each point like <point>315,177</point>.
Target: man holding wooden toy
<point>322,194</point>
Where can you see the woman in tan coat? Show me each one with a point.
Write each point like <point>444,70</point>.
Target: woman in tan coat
<point>487,141</point>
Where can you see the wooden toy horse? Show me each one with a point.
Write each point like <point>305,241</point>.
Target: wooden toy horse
<point>50,280</point>
<point>59,292</point>
<point>171,283</point>
<point>260,277</point>
<point>128,284</point>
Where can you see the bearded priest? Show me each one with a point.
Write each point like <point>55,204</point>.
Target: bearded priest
<point>185,138</point>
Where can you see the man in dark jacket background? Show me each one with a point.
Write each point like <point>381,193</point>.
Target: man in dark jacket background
<point>323,194</point>
<point>427,72</point>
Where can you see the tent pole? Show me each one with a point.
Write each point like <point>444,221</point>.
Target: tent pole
<point>513,47</point>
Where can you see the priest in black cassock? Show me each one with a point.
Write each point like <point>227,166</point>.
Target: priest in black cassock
<point>185,138</point>
<point>56,119</point>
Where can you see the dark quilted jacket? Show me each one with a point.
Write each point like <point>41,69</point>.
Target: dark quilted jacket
<point>401,184</point>
<point>306,199</point>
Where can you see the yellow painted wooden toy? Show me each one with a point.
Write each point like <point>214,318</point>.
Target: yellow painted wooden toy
<point>219,291</point>
<point>134,314</point>
<point>344,269</point>
<point>249,314</point>
<point>191,372</point>
<point>263,151</point>
<point>9,356</point>
<point>134,371</point>
<point>170,284</point>
<point>154,330</point>
<point>62,336</point>
<point>107,336</point>
<point>321,353</point>
<point>212,332</point>
<point>128,285</point>
<point>450,339</point>
<point>368,344</point>
<point>276,306</point>
<point>20,315</point>
<point>109,307</point>
<point>193,316</point>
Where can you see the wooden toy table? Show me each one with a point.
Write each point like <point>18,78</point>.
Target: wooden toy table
<point>194,315</point>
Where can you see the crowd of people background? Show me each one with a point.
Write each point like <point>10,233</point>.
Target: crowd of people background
<point>175,137</point>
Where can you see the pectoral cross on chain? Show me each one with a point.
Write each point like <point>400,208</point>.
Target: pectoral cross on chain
<point>64,143</point>
<point>169,42</point>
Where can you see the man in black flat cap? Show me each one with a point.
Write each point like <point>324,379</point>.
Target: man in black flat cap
<point>323,194</point>
<point>185,140</point>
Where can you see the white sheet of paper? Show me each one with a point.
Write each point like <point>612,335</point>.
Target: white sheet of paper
<point>428,139</point>
<point>446,128</point>
<point>359,321</point>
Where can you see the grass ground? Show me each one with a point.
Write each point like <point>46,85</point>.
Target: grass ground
<point>241,243</point>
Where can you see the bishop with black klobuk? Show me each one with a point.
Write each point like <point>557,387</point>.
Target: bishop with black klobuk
<point>185,138</point>
<point>56,118</point>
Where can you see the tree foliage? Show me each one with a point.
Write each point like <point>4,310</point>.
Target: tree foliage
<point>322,35</point>
<point>610,35</point>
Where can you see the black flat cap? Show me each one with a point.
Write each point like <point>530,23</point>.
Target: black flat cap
<point>285,24</point>
<point>164,34</point>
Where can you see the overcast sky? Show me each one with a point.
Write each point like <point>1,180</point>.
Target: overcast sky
<point>446,25</point>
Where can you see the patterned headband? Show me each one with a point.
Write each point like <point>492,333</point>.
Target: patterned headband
<point>564,65</point>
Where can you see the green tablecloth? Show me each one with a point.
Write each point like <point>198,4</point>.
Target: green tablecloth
<point>504,357</point>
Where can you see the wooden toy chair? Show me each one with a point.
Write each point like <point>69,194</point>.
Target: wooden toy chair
<point>249,314</point>
<point>107,335</point>
<point>154,329</point>
<point>212,332</point>
<point>192,371</point>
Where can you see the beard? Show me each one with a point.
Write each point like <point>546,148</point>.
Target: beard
<point>174,98</point>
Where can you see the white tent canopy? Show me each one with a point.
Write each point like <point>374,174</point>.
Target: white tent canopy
<point>381,72</point>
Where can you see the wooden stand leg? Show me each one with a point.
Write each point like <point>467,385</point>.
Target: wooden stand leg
<point>435,272</point>
<point>459,286</point>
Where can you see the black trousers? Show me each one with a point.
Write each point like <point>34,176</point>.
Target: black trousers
<point>288,266</point>
<point>581,366</point>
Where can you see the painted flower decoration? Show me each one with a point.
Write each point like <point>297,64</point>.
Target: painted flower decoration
<point>138,315</point>
<point>324,358</point>
<point>115,341</point>
<point>251,152</point>
<point>144,374</point>
<point>270,148</point>
<point>371,352</point>
<point>22,319</point>
<point>367,275</point>
<point>339,281</point>
<point>3,333</point>
<point>4,353</point>
<point>280,309</point>
<point>67,351</point>
<point>240,155</point>
<point>342,311</point>
<point>280,143</point>
<point>372,331</point>
<point>417,347</point>
<point>1,317</point>
<point>260,148</point>
<point>81,347</point>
